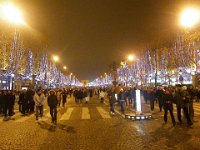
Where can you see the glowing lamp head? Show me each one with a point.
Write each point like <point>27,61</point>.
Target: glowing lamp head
<point>130,58</point>
<point>65,68</point>
<point>190,17</point>
<point>11,13</point>
<point>55,58</point>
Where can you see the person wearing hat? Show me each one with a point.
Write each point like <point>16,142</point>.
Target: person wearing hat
<point>52,103</point>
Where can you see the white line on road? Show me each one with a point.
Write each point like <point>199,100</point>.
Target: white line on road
<point>67,115</point>
<point>103,113</point>
<point>85,113</point>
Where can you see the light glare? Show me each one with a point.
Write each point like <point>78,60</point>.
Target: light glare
<point>55,58</point>
<point>130,58</point>
<point>190,17</point>
<point>11,13</point>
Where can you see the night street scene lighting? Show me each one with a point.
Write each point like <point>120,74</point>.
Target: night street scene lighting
<point>190,17</point>
<point>11,13</point>
<point>100,75</point>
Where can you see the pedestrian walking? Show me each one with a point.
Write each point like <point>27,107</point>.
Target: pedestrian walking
<point>12,97</point>
<point>168,106</point>
<point>122,98</point>
<point>193,94</point>
<point>23,102</point>
<point>87,95</point>
<point>152,98</point>
<point>39,99</point>
<point>1,102</point>
<point>7,105</point>
<point>80,96</point>
<point>112,100</point>
<point>64,97</point>
<point>53,103</point>
<point>102,96</point>
<point>160,96</point>
<point>182,99</point>
<point>59,97</point>
<point>31,104</point>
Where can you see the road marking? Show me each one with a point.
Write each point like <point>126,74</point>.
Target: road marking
<point>67,115</point>
<point>85,113</point>
<point>103,113</point>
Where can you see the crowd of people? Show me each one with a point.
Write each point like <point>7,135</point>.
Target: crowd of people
<point>180,96</point>
<point>31,101</point>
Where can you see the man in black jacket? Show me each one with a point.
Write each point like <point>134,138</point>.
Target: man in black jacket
<point>168,100</point>
<point>112,100</point>
<point>23,101</point>
<point>7,104</point>
<point>160,96</point>
<point>64,97</point>
<point>1,102</point>
<point>52,103</point>
<point>122,99</point>
<point>182,99</point>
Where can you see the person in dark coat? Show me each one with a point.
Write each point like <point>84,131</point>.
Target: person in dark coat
<point>79,96</point>
<point>12,102</point>
<point>152,98</point>
<point>52,103</point>
<point>31,104</point>
<point>75,92</point>
<point>1,102</point>
<point>168,106</point>
<point>64,97</point>
<point>23,101</point>
<point>112,100</point>
<point>182,99</point>
<point>145,95</point>
<point>122,98</point>
<point>193,94</point>
<point>7,104</point>
<point>160,96</point>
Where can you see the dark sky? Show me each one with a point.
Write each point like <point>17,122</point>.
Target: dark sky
<point>88,35</point>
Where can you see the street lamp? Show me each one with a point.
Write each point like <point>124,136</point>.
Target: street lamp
<point>64,67</point>
<point>131,58</point>
<point>11,13</point>
<point>190,17</point>
<point>55,58</point>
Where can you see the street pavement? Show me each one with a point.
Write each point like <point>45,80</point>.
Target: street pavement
<point>91,127</point>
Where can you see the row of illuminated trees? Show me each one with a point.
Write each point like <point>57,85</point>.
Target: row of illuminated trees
<point>169,63</point>
<point>19,61</point>
<point>24,63</point>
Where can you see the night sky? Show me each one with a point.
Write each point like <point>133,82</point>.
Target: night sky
<point>89,35</point>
